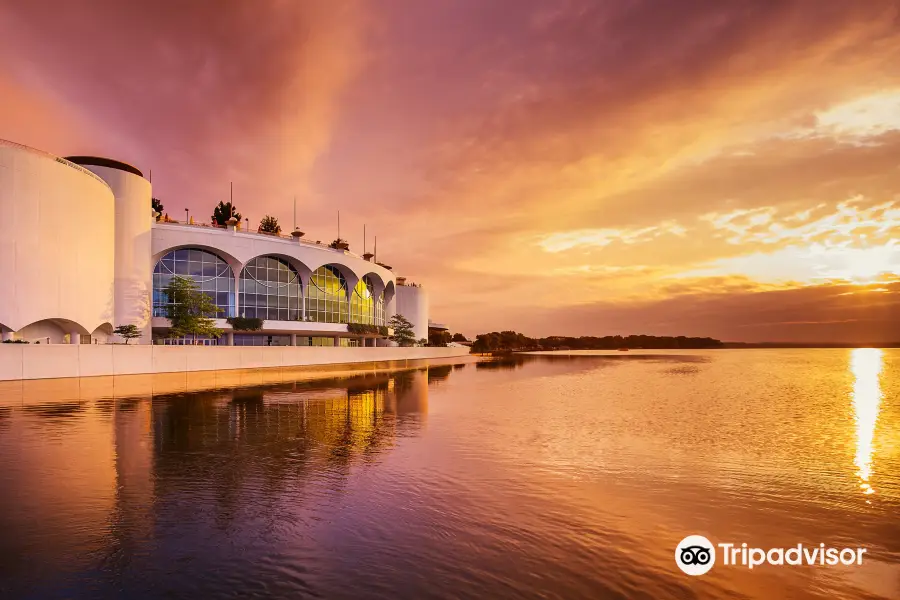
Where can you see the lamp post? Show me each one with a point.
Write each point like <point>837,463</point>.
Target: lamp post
<point>187,216</point>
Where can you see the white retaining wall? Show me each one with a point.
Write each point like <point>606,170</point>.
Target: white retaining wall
<point>29,361</point>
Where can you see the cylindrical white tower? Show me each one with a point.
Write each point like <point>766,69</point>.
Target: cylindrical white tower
<point>56,269</point>
<point>133,271</point>
<point>411,301</point>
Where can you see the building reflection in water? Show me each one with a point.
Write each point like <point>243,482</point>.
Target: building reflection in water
<point>866,365</point>
<point>276,438</point>
<point>105,480</point>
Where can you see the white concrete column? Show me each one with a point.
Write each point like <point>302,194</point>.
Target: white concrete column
<point>229,338</point>
<point>237,292</point>
<point>337,340</point>
<point>293,339</point>
<point>74,337</point>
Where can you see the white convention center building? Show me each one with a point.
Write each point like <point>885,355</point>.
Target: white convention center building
<point>82,252</point>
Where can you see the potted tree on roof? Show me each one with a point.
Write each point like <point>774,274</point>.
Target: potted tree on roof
<point>157,208</point>
<point>269,224</point>
<point>223,213</point>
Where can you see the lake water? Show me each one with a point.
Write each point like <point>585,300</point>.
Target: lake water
<point>539,477</point>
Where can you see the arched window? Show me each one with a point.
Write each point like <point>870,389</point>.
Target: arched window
<point>270,289</point>
<point>326,296</point>
<point>362,303</point>
<point>365,307</point>
<point>212,274</point>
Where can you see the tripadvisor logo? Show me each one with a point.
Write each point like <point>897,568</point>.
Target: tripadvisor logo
<point>696,555</point>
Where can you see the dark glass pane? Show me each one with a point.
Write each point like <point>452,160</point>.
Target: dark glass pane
<point>181,255</point>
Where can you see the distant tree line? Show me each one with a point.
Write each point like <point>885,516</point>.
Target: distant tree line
<point>508,341</point>
<point>440,339</point>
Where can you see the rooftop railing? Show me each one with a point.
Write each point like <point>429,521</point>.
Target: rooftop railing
<point>317,244</point>
<point>88,172</point>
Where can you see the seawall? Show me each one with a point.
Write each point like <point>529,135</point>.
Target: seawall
<point>36,362</point>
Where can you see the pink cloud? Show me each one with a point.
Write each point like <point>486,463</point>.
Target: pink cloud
<point>461,131</point>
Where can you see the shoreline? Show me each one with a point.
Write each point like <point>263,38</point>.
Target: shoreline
<point>23,392</point>
<point>58,361</point>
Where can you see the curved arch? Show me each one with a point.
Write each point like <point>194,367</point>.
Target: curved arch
<point>377,281</point>
<point>233,262</point>
<point>301,267</point>
<point>102,333</point>
<point>212,273</point>
<point>106,328</point>
<point>351,276</point>
<point>270,288</point>
<point>51,331</point>
<point>67,325</point>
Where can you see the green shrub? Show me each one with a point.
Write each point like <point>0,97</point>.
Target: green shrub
<point>245,323</point>
<point>366,329</point>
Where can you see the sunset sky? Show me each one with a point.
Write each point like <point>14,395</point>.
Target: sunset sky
<point>580,167</point>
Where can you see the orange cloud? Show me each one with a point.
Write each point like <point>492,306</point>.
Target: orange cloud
<point>632,164</point>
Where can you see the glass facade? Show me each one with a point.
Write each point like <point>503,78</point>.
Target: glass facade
<point>212,274</point>
<point>326,296</point>
<point>270,290</point>
<point>364,306</point>
<point>241,339</point>
<point>201,340</point>
<point>325,341</point>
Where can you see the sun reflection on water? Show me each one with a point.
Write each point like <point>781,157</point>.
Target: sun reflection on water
<point>865,364</point>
